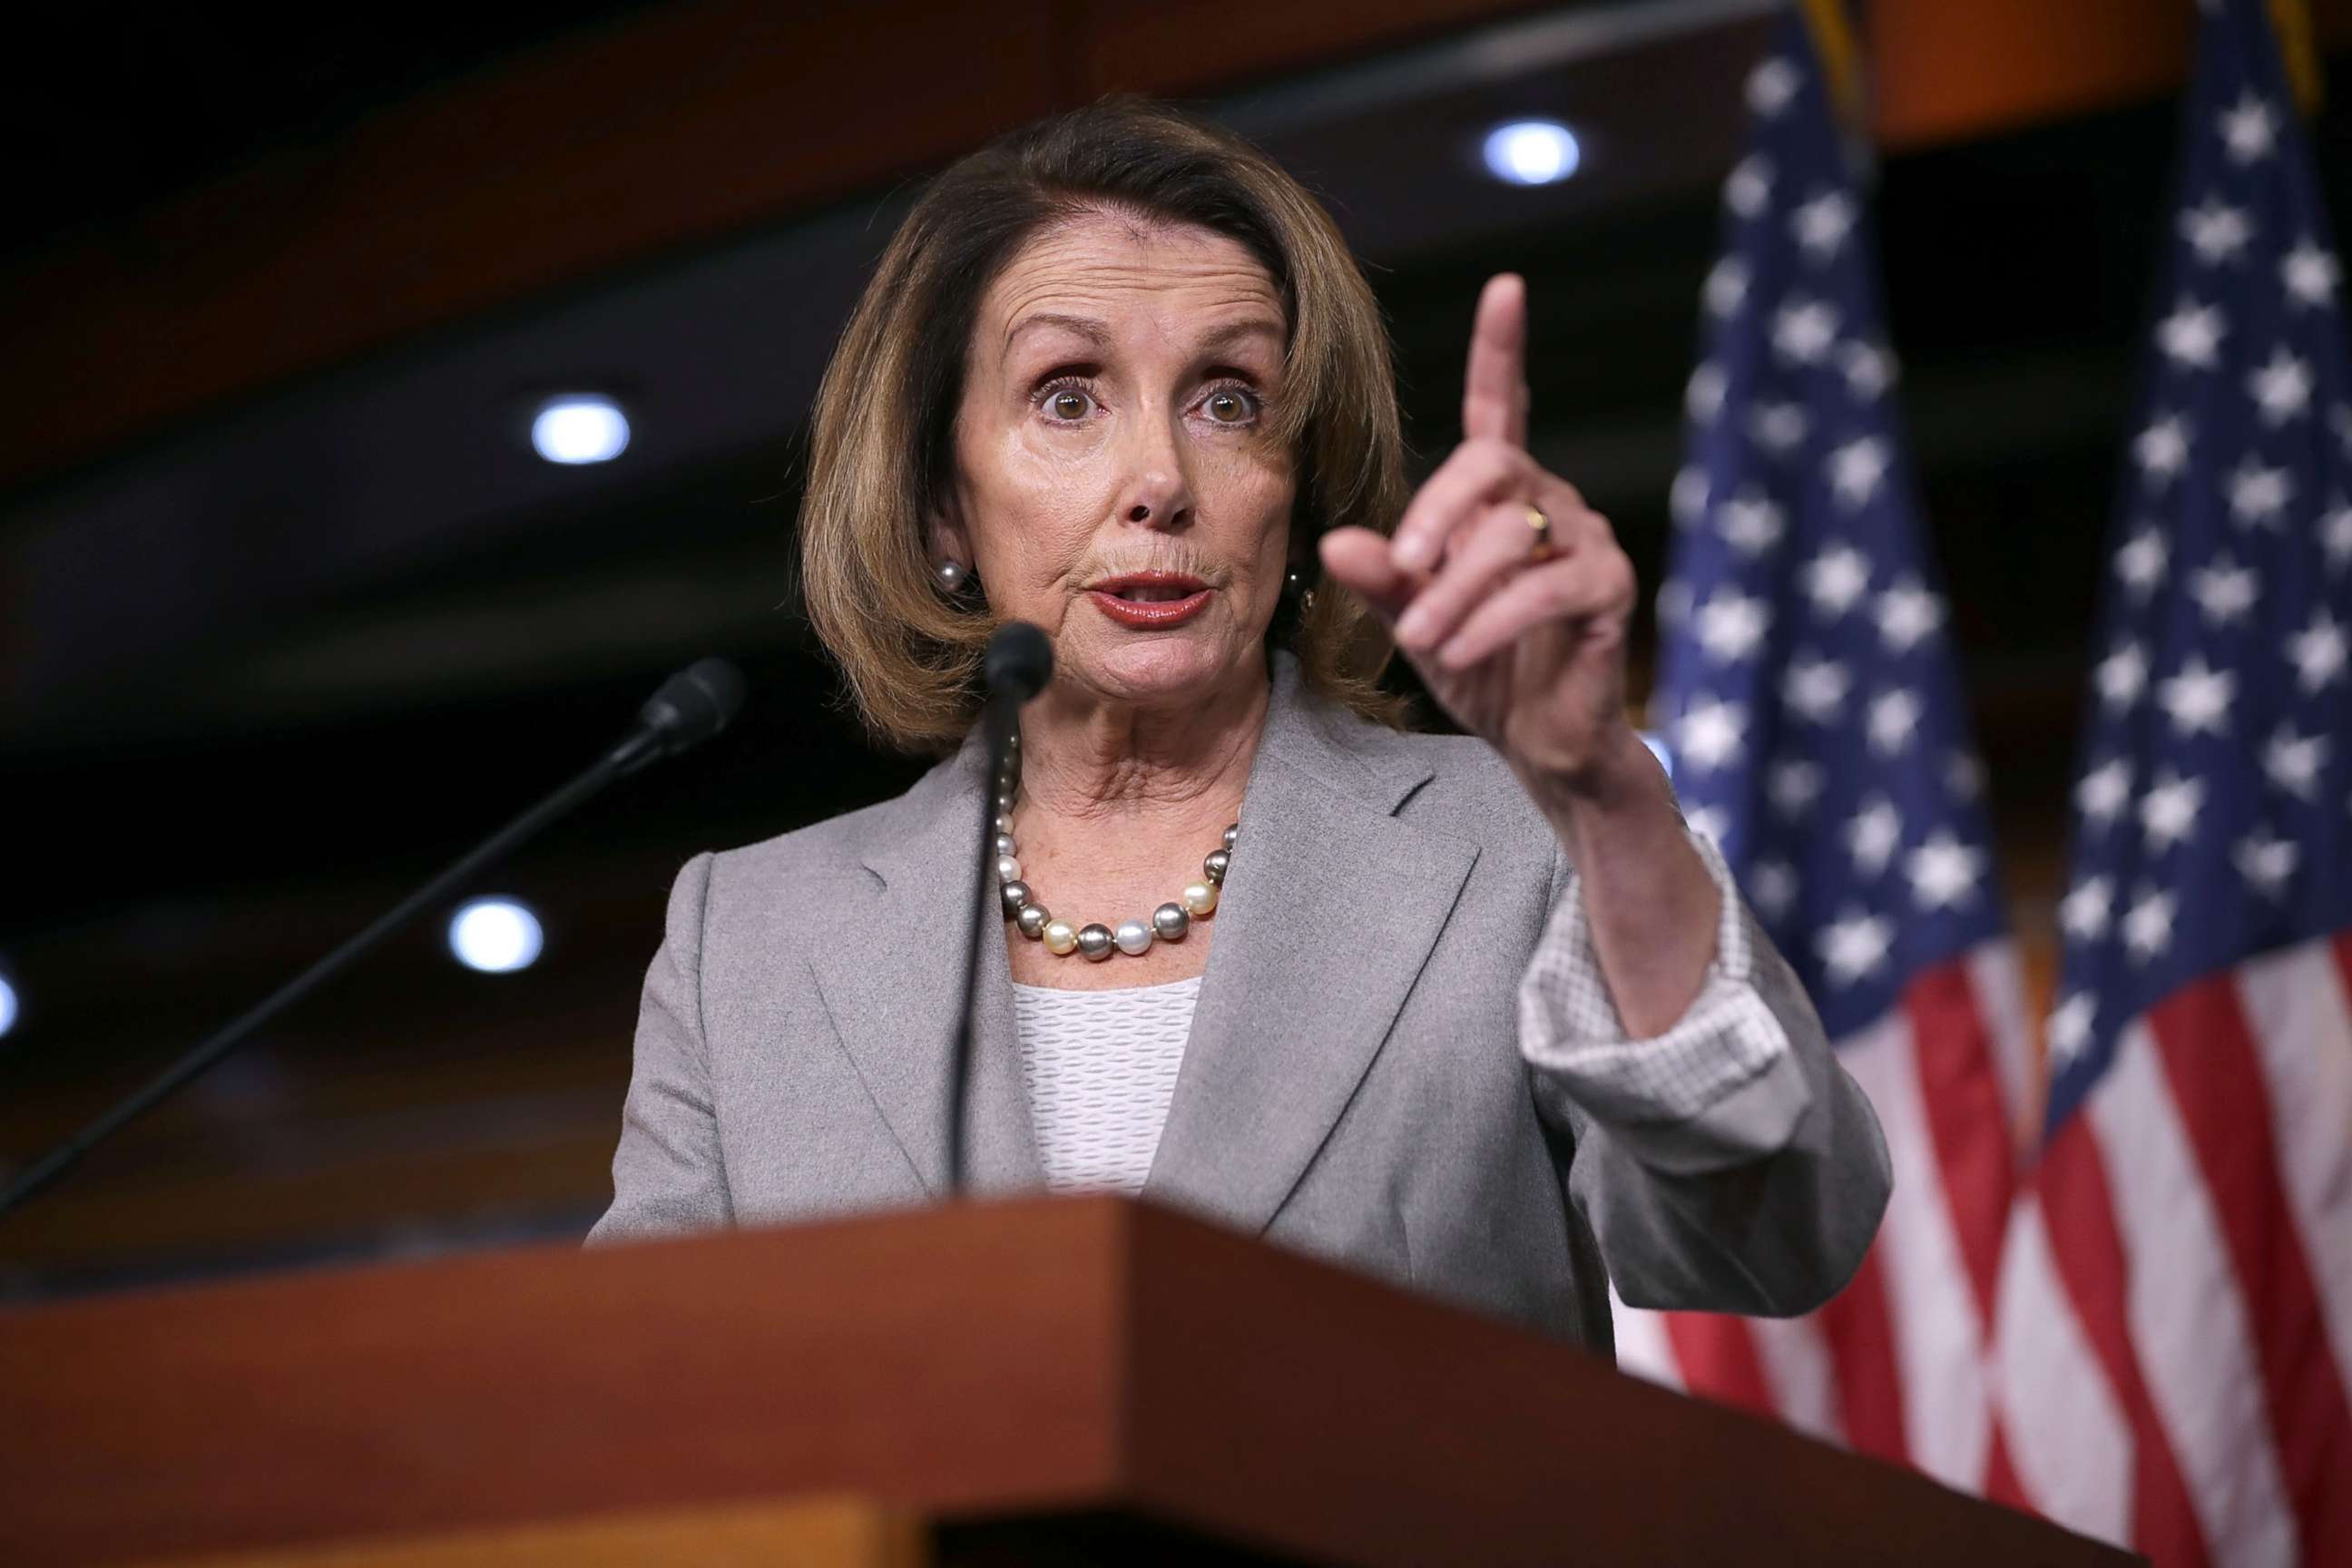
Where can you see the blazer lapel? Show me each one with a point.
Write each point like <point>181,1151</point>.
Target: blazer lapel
<point>1328,913</point>
<point>892,983</point>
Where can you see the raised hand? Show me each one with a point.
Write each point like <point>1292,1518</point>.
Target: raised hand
<point>1509,595</point>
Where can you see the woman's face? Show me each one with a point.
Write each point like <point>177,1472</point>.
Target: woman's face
<point>1115,480</point>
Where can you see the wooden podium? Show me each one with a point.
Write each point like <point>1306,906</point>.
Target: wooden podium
<point>1039,1381</point>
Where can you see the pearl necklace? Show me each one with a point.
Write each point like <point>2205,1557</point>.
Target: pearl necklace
<point>1095,941</point>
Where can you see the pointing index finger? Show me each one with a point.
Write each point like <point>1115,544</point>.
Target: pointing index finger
<point>1495,387</point>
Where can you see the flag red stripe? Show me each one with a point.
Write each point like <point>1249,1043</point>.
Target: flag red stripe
<point>2215,1074</point>
<point>2088,1251</point>
<point>2001,1484</point>
<point>1861,1349</point>
<point>1719,1360</point>
<point>1968,1122</point>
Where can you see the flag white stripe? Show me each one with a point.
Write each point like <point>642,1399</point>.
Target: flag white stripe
<point>2186,1312</point>
<point>1643,1348</point>
<point>1797,1369</point>
<point>2302,1025</point>
<point>1999,985</point>
<point>1932,1312</point>
<point>2069,1439</point>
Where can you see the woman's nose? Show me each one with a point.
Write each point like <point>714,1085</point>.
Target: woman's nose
<point>1157,492</point>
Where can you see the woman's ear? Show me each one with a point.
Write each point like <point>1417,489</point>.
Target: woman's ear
<point>945,538</point>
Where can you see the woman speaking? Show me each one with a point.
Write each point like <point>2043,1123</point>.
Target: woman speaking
<point>1474,1013</point>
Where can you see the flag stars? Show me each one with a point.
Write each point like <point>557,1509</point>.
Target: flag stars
<point>2335,534</point>
<point>1855,946</point>
<point>1703,397</point>
<point>1689,497</point>
<point>1750,522</point>
<point>1731,625</point>
<point>2162,449</point>
<point>1834,579</point>
<point>2148,927</point>
<point>2265,861</point>
<point>1709,734</point>
<point>1804,330</point>
<point>1821,224</point>
<point>2310,275</point>
<point>1857,469</point>
<point>2101,793</point>
<point>2250,129</point>
<point>1894,715</point>
<point>2224,591</point>
<point>1792,787</point>
<point>2293,762</point>
<point>1943,872</point>
<point>2191,336</point>
<point>1725,289</point>
<point>1773,888</point>
<point>1771,85</point>
<point>1869,369</point>
<point>1873,834</point>
<point>1815,687</point>
<point>1709,822</point>
<point>1963,776</point>
<point>2141,562</point>
<point>2169,811</point>
<point>1748,190</point>
<point>2216,231</point>
<point>1779,428</point>
<point>1907,614</point>
<point>2071,1029</point>
<point>2280,389</point>
<point>2199,699</point>
<point>2084,911</point>
<point>2258,493</point>
<point>2121,676</point>
<point>2318,651</point>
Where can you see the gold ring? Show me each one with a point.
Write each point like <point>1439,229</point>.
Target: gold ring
<point>1542,525</point>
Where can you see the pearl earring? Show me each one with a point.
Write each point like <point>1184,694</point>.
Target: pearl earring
<point>951,575</point>
<point>1294,586</point>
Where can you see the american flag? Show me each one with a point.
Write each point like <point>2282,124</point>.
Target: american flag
<point>1812,709</point>
<point>2175,1310</point>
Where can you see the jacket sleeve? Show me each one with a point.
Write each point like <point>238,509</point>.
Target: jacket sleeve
<point>1729,1164</point>
<point>668,1175</point>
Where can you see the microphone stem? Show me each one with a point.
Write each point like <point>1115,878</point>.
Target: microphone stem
<point>622,759</point>
<point>996,723</point>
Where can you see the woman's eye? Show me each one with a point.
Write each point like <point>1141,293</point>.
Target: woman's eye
<point>1069,404</point>
<point>1231,407</point>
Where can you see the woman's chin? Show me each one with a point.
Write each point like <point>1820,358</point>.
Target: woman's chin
<point>1158,670</point>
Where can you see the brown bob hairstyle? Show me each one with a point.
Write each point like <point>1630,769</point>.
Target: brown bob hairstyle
<point>882,449</point>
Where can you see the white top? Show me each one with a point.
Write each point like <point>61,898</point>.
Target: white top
<point>1101,1067</point>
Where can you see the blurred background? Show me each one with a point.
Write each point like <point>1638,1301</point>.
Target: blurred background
<point>293,609</point>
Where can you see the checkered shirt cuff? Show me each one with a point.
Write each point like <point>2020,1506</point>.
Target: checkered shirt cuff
<point>1569,1024</point>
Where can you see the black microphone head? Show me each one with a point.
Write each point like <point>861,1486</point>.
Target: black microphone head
<point>1020,661</point>
<point>694,704</point>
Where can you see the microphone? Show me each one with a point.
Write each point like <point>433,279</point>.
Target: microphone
<point>1017,667</point>
<point>691,705</point>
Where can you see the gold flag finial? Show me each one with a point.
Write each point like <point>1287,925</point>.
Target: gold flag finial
<point>2290,20</point>
<point>1841,61</point>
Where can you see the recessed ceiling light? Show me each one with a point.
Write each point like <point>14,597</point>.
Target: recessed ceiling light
<point>1532,152</point>
<point>579,427</point>
<point>496,936</point>
<point>7,1005</point>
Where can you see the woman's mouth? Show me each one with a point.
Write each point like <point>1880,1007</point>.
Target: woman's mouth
<point>1150,600</point>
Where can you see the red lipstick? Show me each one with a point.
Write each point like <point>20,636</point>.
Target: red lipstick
<point>1150,600</point>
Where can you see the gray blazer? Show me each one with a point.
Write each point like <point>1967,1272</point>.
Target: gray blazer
<point>1352,1086</point>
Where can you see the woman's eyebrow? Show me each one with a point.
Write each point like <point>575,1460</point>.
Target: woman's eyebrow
<point>1086,327</point>
<point>1232,332</point>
